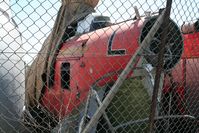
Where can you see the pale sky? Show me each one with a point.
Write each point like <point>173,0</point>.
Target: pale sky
<point>35,18</point>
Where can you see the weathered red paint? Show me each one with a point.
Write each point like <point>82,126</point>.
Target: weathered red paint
<point>186,73</point>
<point>90,62</point>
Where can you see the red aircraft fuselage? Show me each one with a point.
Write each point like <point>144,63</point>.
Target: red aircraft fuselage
<point>186,75</point>
<point>96,56</point>
<point>92,59</point>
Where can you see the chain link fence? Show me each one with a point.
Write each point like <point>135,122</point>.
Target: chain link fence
<point>81,66</point>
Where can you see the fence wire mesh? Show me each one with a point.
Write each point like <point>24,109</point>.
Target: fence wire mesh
<point>82,66</point>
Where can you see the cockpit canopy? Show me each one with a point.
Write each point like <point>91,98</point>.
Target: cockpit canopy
<point>91,23</point>
<point>100,22</point>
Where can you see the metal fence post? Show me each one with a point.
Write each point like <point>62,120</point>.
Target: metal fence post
<point>159,68</point>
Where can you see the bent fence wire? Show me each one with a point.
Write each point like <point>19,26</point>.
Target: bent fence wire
<point>122,66</point>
